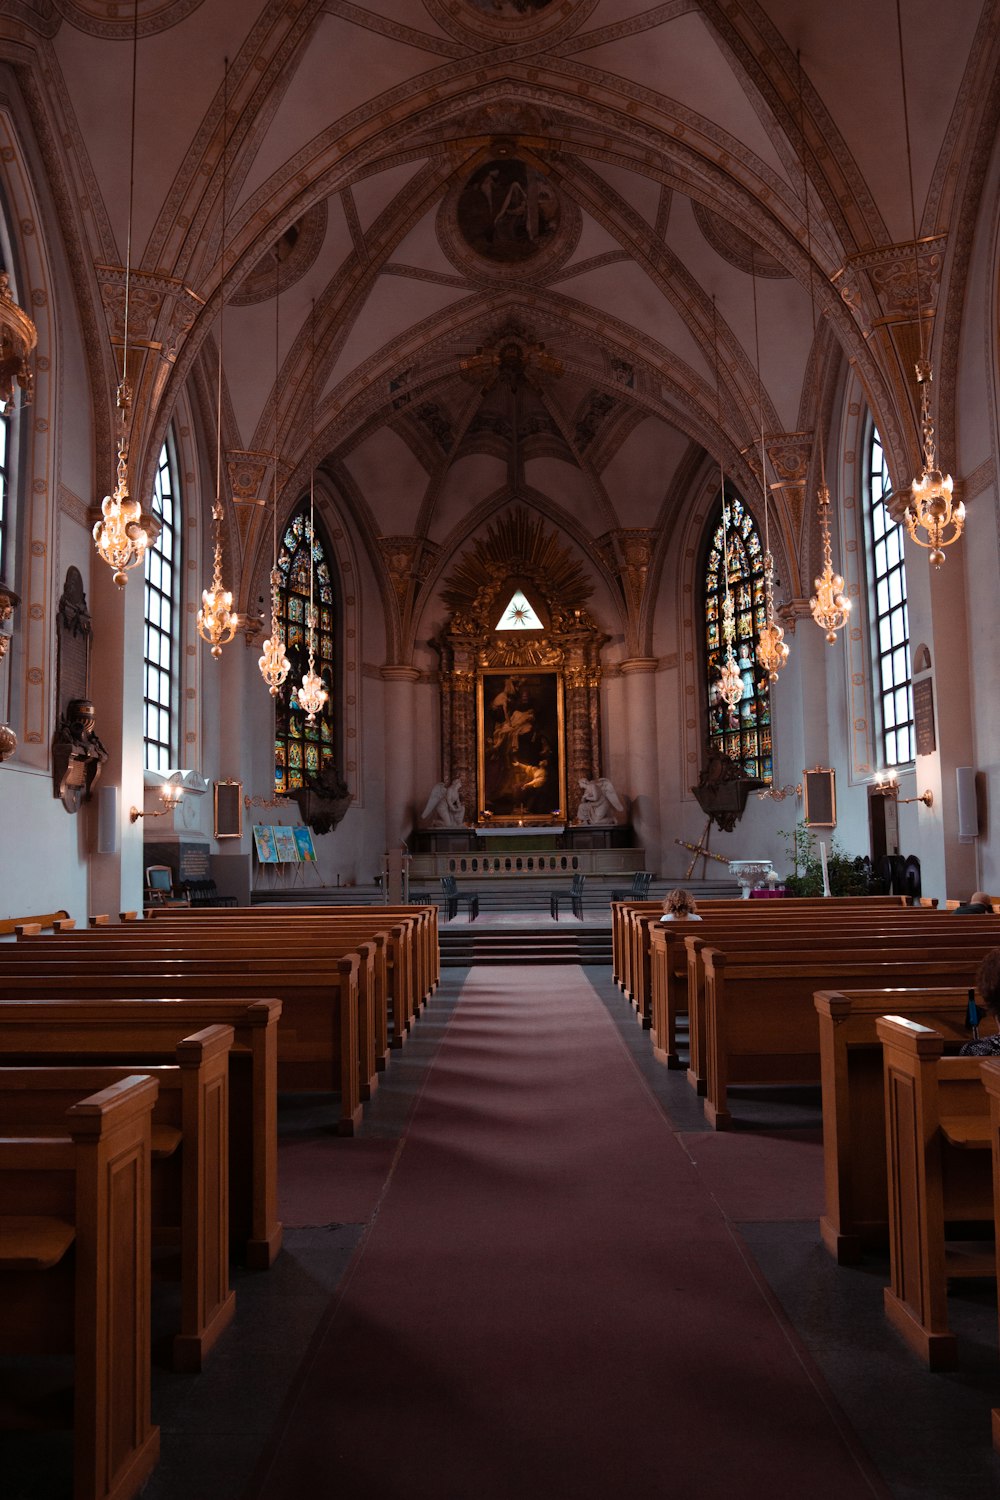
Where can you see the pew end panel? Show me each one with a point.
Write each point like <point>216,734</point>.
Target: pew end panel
<point>940,1178</point>
<point>115,1444</point>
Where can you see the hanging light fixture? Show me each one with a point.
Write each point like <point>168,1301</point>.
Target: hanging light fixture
<point>930,509</point>
<point>312,691</point>
<point>273,661</point>
<point>829,605</point>
<point>772,652</point>
<point>119,536</point>
<point>730,681</point>
<point>217,621</point>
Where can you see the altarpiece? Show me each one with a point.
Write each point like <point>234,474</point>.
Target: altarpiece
<point>520,677</point>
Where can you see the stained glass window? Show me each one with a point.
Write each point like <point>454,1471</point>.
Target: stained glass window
<point>162,568</point>
<point>302,749</point>
<point>4,472</point>
<point>890,620</point>
<point>743,732</point>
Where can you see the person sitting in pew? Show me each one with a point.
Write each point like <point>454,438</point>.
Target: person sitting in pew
<point>979,904</point>
<point>988,987</point>
<point>678,906</point>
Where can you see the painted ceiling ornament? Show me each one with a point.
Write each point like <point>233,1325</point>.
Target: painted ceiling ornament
<point>508,218</point>
<point>511,359</point>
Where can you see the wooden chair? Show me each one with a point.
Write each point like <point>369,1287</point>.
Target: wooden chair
<point>640,888</point>
<point>160,887</point>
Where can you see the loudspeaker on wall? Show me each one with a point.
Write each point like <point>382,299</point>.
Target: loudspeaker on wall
<point>107,820</point>
<point>968,811</point>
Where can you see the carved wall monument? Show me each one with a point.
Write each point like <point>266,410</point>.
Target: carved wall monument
<point>519,553</point>
<point>77,753</point>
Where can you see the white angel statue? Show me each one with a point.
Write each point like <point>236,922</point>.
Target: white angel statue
<point>599,801</point>
<point>445,808</point>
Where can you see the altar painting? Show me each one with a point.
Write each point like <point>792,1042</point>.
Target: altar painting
<point>522,776</point>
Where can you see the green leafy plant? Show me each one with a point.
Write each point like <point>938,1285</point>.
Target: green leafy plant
<point>848,875</point>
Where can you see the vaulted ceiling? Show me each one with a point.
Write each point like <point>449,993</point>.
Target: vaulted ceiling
<point>505,238</point>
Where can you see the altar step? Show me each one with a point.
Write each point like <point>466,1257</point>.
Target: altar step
<point>465,946</point>
<point>508,894</point>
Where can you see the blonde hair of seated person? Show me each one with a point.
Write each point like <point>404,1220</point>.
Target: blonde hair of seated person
<point>680,903</point>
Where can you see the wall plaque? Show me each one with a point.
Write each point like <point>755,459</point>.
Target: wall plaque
<point>923,716</point>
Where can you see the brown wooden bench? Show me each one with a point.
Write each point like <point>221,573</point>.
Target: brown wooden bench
<point>318,1045</point>
<point>856,1212</point>
<point>190,1153</point>
<point>44,921</point>
<point>989,1072</point>
<point>940,1174</point>
<point>667,961</point>
<point>624,912</point>
<point>386,1007</point>
<point>103,1027</point>
<point>408,964</point>
<point>761,1023</point>
<point>75,1268</point>
<point>923,930</point>
<point>423,920</point>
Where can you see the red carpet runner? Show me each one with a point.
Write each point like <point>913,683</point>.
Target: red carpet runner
<point>549,1303</point>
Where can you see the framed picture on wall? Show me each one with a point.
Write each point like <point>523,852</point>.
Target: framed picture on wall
<point>819,797</point>
<point>522,765</point>
<point>228,800</point>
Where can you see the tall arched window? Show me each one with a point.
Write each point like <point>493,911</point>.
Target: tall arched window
<point>302,749</point>
<point>162,644</point>
<point>4,483</point>
<point>891,672</point>
<point>743,732</point>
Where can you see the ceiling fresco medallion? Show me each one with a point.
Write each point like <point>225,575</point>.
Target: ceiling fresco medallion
<point>508,219</point>
<point>511,20</point>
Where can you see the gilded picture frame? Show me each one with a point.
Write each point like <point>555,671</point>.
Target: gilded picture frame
<point>228,810</point>
<point>521,745</point>
<point>819,797</point>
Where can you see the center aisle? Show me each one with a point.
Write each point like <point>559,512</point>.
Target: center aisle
<point>549,1301</point>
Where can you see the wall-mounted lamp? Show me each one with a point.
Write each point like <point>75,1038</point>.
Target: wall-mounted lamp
<point>170,795</point>
<point>886,784</point>
<point>779,793</point>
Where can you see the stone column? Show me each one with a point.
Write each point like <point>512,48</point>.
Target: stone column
<point>400,727</point>
<point>643,768</point>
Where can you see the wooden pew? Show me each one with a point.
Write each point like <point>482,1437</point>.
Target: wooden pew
<point>922,930</point>
<point>622,913</point>
<point>318,1047</point>
<point>88,1190</point>
<point>408,966</point>
<point>856,1209</point>
<point>667,961</point>
<point>426,964</point>
<point>190,1163</point>
<point>761,1023</point>
<point>989,1072</point>
<point>387,979</point>
<point>44,920</point>
<point>940,1172</point>
<point>108,1028</point>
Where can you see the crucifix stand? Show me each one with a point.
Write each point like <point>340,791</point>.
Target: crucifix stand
<point>701,851</point>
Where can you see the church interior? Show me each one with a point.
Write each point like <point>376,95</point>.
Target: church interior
<point>447,448</point>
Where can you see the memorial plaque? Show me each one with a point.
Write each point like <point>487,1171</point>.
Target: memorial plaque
<point>923,716</point>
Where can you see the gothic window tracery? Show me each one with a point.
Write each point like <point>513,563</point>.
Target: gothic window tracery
<point>162,569</point>
<point>744,731</point>
<point>892,672</point>
<point>303,750</point>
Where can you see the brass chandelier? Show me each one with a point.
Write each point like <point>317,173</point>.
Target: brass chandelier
<point>829,605</point>
<point>217,621</point>
<point>119,536</point>
<point>730,680</point>
<point>930,509</point>
<point>312,692</point>
<point>772,651</point>
<point>273,661</point>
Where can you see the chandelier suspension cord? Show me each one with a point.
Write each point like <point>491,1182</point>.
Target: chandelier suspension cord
<point>909,174</point>
<point>273,661</point>
<point>760,397</point>
<point>123,395</point>
<point>313,694</point>
<point>222,287</point>
<point>829,605</point>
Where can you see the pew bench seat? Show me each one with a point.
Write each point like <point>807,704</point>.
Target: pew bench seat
<point>33,1242</point>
